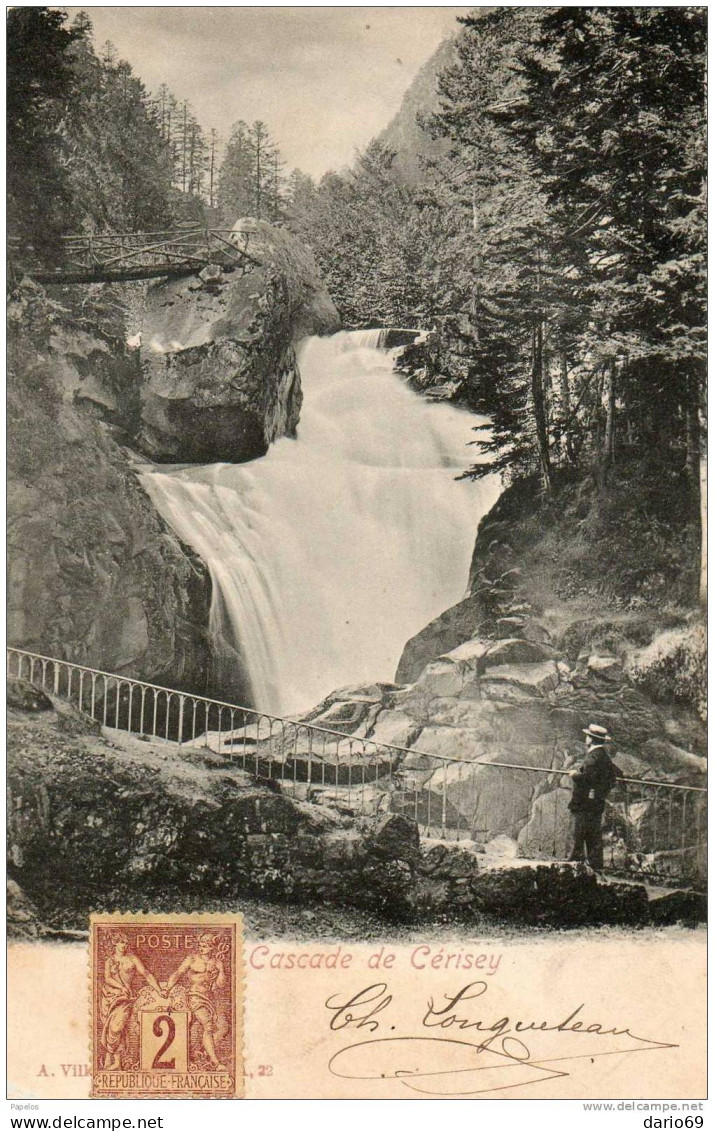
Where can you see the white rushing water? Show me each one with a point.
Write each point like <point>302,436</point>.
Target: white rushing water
<point>333,549</point>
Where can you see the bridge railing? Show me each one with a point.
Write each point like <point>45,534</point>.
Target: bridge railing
<point>127,256</point>
<point>652,828</point>
<point>104,251</point>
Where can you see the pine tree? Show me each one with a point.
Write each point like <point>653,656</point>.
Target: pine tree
<point>212,169</point>
<point>198,158</point>
<point>120,166</point>
<point>265,173</point>
<point>40,91</point>
<point>300,200</point>
<point>499,306</point>
<point>235,196</point>
<point>369,241</point>
<point>612,122</point>
<point>250,179</point>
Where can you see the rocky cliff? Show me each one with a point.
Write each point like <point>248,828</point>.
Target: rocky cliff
<point>94,574</point>
<point>406,134</point>
<point>220,376</point>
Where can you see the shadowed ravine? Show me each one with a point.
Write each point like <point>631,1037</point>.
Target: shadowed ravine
<point>333,549</point>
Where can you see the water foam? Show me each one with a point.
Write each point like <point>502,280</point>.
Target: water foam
<point>331,551</point>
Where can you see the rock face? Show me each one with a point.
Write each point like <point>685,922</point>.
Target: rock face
<point>512,674</point>
<point>100,820</point>
<point>478,749</point>
<point>453,627</point>
<point>405,133</point>
<point>220,375</point>
<point>519,703</point>
<point>94,573</point>
<point>224,401</point>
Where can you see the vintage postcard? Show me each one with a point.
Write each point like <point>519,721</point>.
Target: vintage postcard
<point>357,567</point>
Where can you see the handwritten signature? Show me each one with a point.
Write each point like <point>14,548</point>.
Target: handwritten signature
<point>499,1059</point>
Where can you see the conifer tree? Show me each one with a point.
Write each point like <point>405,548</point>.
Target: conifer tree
<point>250,178</point>
<point>612,121</point>
<point>120,165</point>
<point>41,87</point>
<point>300,200</point>
<point>235,175</point>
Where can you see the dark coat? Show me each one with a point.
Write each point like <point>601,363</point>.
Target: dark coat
<point>592,781</point>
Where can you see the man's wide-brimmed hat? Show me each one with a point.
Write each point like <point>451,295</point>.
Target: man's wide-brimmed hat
<point>597,732</point>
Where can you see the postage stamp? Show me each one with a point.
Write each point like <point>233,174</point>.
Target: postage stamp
<point>166,1006</point>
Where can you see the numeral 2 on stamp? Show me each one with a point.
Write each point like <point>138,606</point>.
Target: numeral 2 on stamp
<point>170,1035</point>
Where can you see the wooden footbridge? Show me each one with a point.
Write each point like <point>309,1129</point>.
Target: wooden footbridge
<point>122,257</point>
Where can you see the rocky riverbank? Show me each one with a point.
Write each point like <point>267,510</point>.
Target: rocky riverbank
<point>514,672</point>
<point>101,819</point>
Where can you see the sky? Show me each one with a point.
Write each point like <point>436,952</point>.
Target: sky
<point>325,80</point>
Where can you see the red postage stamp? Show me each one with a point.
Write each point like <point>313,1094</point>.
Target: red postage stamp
<point>166,1006</point>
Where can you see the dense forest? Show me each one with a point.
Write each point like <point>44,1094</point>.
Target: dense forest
<point>559,246</point>
<point>91,150</point>
<point>556,244</point>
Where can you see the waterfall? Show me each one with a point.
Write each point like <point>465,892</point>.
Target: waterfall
<point>334,548</point>
<point>369,339</point>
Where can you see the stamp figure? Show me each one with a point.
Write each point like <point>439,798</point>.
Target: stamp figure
<point>206,975</point>
<point>117,996</point>
<point>180,1032</point>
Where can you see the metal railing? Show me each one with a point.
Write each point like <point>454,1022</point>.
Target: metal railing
<point>652,828</point>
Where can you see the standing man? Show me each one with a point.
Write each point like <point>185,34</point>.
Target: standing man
<point>592,781</point>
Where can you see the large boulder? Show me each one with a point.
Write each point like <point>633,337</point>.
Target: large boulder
<point>25,695</point>
<point>220,374</point>
<point>226,400</point>
<point>484,800</point>
<point>453,627</point>
<point>394,836</point>
<point>545,836</point>
<point>312,311</point>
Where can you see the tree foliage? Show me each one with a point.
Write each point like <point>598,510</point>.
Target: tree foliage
<point>40,90</point>
<point>557,246</point>
<point>90,149</point>
<point>85,151</point>
<point>250,181</point>
<point>365,231</point>
<point>119,165</point>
